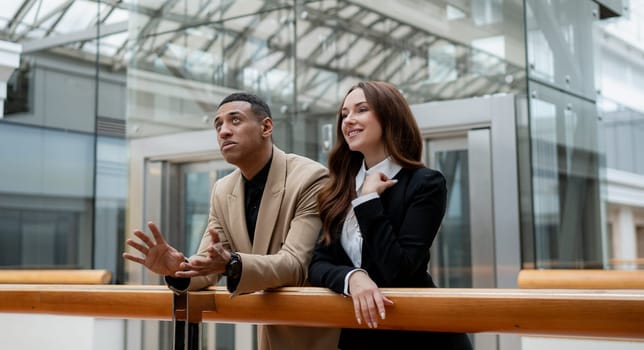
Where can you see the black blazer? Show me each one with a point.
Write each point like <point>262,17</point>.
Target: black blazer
<point>397,229</point>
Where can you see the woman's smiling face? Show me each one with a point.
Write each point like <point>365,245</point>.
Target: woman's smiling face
<point>361,128</point>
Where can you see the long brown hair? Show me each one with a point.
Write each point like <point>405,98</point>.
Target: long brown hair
<point>402,140</point>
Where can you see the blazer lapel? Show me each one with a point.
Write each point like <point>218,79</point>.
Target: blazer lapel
<point>237,218</point>
<point>271,202</point>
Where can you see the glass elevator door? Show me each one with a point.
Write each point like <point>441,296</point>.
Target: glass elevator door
<point>463,252</point>
<point>462,255</point>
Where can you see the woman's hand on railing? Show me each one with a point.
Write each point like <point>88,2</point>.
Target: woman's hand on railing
<point>368,300</point>
<point>158,256</point>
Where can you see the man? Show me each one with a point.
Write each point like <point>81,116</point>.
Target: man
<point>263,222</point>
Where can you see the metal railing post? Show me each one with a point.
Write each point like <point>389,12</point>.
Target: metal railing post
<point>179,320</point>
<point>186,333</point>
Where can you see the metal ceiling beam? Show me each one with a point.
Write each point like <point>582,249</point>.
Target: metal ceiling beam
<point>111,6</point>
<point>163,47</point>
<point>316,22</point>
<point>367,33</point>
<point>242,37</point>
<point>64,39</point>
<point>151,12</point>
<point>60,17</point>
<point>155,18</point>
<point>43,19</point>
<point>100,20</point>
<point>18,17</point>
<point>221,10</point>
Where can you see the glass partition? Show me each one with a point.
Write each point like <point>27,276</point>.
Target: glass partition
<point>568,230</point>
<point>560,44</point>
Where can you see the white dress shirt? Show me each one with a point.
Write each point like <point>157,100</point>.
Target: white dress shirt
<point>351,238</point>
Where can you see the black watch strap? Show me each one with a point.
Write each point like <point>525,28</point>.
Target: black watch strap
<point>234,267</point>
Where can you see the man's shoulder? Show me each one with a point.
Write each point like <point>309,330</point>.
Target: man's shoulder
<point>303,172</point>
<point>228,180</point>
<point>298,161</point>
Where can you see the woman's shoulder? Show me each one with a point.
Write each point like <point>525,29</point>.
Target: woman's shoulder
<point>423,175</point>
<point>423,180</point>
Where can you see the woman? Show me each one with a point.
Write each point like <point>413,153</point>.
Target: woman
<point>379,233</point>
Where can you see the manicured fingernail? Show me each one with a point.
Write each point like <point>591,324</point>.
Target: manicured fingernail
<point>382,315</point>
<point>359,320</point>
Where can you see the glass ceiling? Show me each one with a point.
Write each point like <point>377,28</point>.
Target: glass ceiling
<point>23,21</point>
<point>42,24</point>
<point>27,21</point>
<point>187,36</point>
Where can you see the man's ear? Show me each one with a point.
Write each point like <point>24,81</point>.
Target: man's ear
<point>267,126</point>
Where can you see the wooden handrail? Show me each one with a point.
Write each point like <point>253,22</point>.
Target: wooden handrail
<point>627,262</point>
<point>582,279</point>
<point>615,314</point>
<point>111,301</point>
<point>55,276</point>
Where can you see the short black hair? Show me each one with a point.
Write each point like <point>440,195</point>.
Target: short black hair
<point>257,105</point>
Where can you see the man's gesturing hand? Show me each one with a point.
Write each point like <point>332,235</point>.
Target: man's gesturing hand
<point>214,261</point>
<point>158,256</point>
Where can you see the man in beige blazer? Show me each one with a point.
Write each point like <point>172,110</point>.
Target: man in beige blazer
<point>262,227</point>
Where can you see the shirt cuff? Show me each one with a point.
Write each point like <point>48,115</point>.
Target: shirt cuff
<point>364,198</point>
<point>346,280</point>
<point>177,284</point>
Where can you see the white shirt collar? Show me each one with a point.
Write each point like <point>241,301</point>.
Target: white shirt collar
<point>388,166</point>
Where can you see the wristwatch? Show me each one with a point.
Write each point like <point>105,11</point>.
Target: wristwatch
<point>234,266</point>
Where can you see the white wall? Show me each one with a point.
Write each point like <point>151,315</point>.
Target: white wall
<point>49,332</point>
<point>539,343</point>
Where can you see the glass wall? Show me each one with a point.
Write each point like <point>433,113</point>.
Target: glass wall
<point>45,197</point>
<point>48,156</point>
<point>623,132</point>
<point>565,182</point>
<point>562,215</point>
<point>62,142</point>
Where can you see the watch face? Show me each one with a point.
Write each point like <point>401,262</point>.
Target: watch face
<point>233,268</point>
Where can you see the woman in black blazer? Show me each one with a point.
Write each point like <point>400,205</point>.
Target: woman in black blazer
<point>380,211</point>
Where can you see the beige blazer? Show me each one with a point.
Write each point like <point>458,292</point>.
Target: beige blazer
<point>287,229</point>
